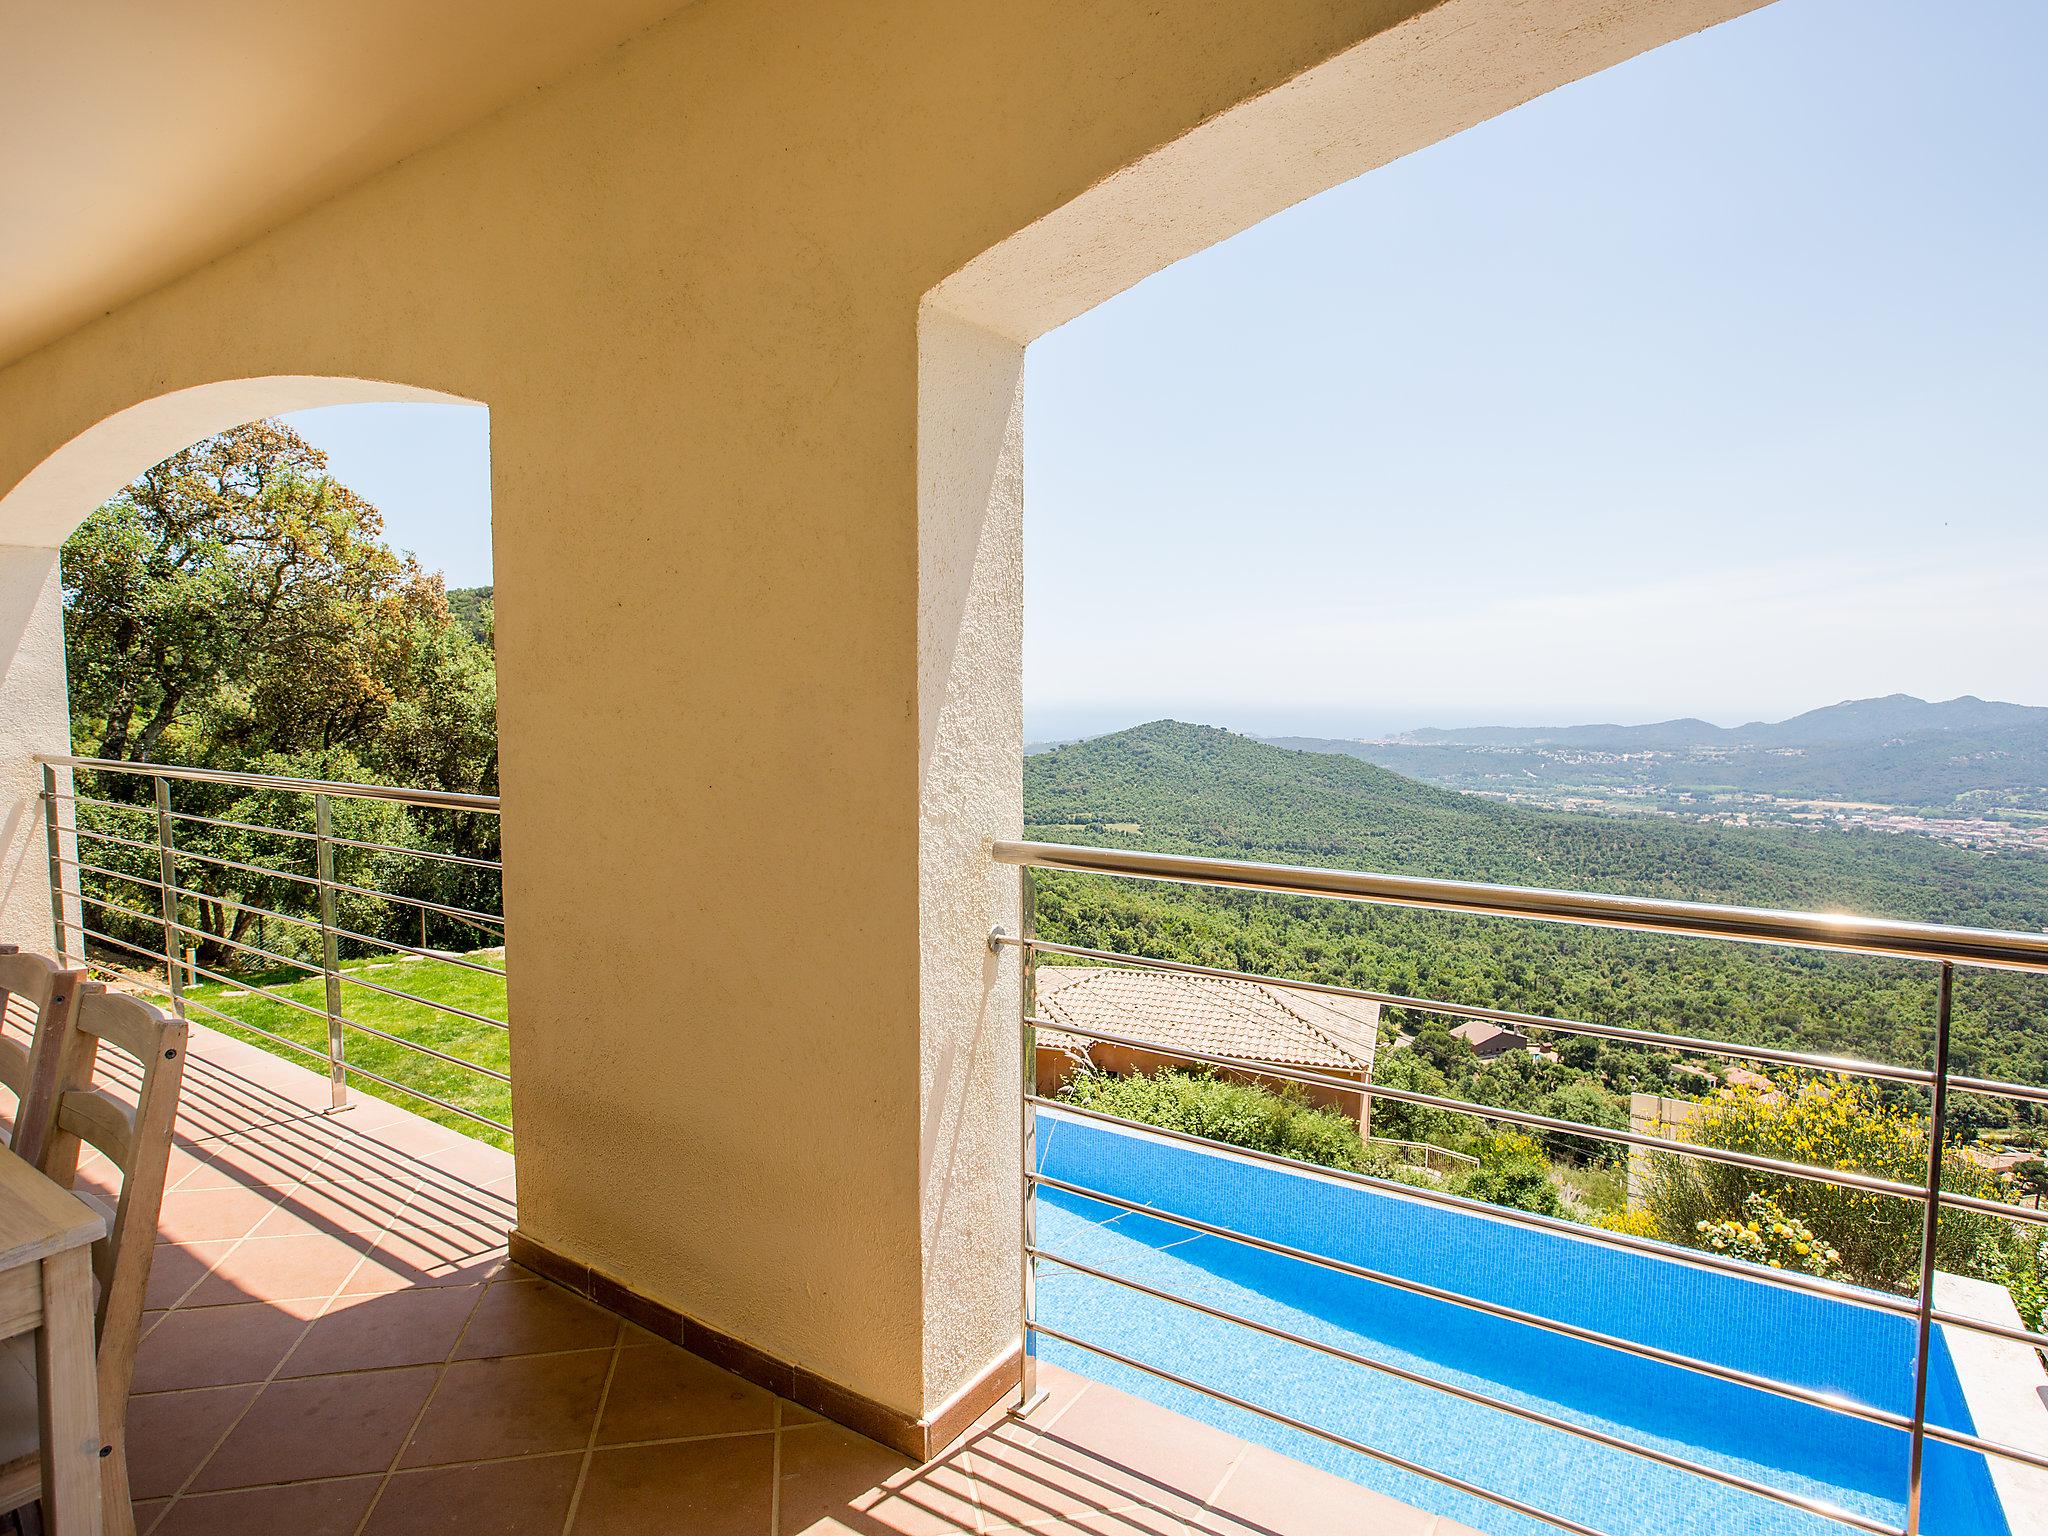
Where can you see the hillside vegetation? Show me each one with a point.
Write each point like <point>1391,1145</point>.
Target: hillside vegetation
<point>1183,788</point>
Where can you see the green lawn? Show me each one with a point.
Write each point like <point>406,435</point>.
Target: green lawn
<point>433,980</point>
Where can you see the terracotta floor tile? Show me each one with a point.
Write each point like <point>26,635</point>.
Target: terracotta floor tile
<point>1155,1454</point>
<point>147,1513</point>
<point>296,1509</point>
<point>529,1497</point>
<point>402,1258</point>
<point>233,1164</point>
<point>1273,1493</point>
<point>530,1317</point>
<point>660,1392</point>
<point>704,1487</point>
<point>214,1346</point>
<point>370,1332</point>
<point>517,1406</point>
<point>176,1267</point>
<point>342,1208</point>
<point>836,1481</point>
<point>202,1215</point>
<point>170,1433</point>
<point>278,1269</point>
<point>320,1426</point>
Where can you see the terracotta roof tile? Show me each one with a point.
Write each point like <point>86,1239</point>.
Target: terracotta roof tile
<point>1258,1021</point>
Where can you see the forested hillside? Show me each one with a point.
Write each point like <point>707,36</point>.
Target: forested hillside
<point>1197,789</point>
<point>1184,788</point>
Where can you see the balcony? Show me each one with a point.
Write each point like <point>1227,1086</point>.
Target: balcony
<point>337,1342</point>
<point>1224,1340</point>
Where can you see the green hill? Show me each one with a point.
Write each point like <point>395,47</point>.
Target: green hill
<point>1179,788</point>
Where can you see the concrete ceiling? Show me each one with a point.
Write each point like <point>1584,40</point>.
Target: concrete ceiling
<point>140,138</point>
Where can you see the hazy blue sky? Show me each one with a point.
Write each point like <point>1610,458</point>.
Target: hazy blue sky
<point>1717,385</point>
<point>428,470</point>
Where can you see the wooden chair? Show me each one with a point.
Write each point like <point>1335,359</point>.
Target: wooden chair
<point>48,990</point>
<point>66,1110</point>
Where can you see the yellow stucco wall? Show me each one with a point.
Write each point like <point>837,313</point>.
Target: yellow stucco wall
<point>757,619</point>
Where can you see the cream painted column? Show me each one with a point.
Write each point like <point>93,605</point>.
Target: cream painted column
<point>35,716</point>
<point>970,636</point>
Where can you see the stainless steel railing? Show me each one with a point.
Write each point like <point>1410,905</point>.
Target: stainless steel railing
<point>1944,947</point>
<point>90,894</point>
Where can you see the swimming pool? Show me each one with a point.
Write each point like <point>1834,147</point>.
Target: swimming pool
<point>1819,1342</point>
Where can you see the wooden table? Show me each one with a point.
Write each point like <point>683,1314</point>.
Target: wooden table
<point>46,1237</point>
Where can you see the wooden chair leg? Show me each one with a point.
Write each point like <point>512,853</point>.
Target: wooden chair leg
<point>116,1504</point>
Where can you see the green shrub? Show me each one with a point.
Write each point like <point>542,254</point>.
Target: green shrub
<point>1243,1114</point>
<point>1512,1171</point>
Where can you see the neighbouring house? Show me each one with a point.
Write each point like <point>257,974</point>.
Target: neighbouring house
<point>1247,1021</point>
<point>1490,1040</point>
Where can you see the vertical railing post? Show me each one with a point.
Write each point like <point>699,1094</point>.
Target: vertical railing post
<point>330,950</point>
<point>167,880</point>
<point>1930,1230</point>
<point>67,910</point>
<point>1027,1273</point>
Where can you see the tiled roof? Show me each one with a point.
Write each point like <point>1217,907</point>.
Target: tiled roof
<point>1257,1021</point>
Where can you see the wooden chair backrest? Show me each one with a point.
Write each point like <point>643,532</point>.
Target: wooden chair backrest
<point>72,1111</point>
<point>42,986</point>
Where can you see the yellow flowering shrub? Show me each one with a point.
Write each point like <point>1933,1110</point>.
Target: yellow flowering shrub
<point>1825,1123</point>
<point>1766,1235</point>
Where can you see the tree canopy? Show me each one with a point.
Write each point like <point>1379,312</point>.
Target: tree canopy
<point>238,603</point>
<point>237,607</point>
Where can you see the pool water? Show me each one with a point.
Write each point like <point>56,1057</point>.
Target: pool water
<point>1814,1341</point>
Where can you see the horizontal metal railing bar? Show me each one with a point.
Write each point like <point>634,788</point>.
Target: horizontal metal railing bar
<point>111,874</point>
<point>304,965</point>
<point>465,914</point>
<point>1996,1330</point>
<point>1952,1200</point>
<point>428,1098</point>
<point>244,826</point>
<point>1740,1378</point>
<point>1781,1279</point>
<point>112,805</point>
<point>426,1002</point>
<point>283,917</point>
<point>1979,1444</point>
<point>1705,1045</point>
<point>252,869</point>
<point>419,853</point>
<point>1998,1088</point>
<point>1691,919</point>
<point>264,993</point>
<point>188,1002</point>
<point>318,1013</point>
<point>108,938</point>
<point>1388,1458</point>
<point>414,950</point>
<point>254,1029</point>
<point>1844,1178</point>
<point>434,798</point>
<point>1810,1506</point>
<point>156,921</point>
<point>108,837</point>
<point>425,1050</point>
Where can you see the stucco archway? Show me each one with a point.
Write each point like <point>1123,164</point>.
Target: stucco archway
<point>37,514</point>
<point>41,509</point>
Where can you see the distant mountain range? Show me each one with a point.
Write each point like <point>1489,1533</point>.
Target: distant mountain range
<point>1855,720</point>
<point>1892,751</point>
<point>1182,788</point>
